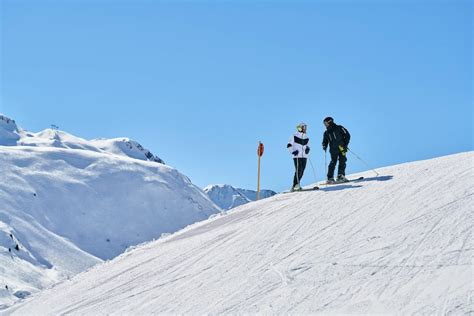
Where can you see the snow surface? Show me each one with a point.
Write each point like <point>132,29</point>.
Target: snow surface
<point>400,243</point>
<point>69,205</point>
<point>227,197</point>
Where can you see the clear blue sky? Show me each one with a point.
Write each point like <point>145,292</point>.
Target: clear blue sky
<point>199,83</point>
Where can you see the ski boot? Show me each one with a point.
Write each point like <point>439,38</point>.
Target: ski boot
<point>342,178</point>
<point>296,188</point>
<point>330,181</point>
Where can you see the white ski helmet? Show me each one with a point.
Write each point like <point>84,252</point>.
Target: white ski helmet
<point>301,126</point>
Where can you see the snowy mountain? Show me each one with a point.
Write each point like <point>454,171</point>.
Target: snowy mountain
<point>400,243</point>
<point>226,196</point>
<point>9,132</point>
<point>252,195</point>
<point>67,204</point>
<point>11,135</point>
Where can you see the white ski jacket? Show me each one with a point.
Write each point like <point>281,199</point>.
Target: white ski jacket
<point>299,141</point>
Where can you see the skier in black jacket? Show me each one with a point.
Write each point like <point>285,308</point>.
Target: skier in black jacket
<point>337,137</point>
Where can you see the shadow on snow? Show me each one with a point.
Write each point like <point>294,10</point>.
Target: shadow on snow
<point>339,187</point>
<point>379,178</point>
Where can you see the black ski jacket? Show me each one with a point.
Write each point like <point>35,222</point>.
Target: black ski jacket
<point>335,136</point>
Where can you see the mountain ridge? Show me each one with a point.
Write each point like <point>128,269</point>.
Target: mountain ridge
<point>227,197</point>
<point>12,135</point>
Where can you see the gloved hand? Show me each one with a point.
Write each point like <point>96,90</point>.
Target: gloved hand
<point>295,153</point>
<point>325,148</point>
<point>306,151</point>
<point>343,149</point>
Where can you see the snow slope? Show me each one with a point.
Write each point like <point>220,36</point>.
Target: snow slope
<point>37,258</point>
<point>66,206</point>
<point>400,243</point>
<point>226,196</point>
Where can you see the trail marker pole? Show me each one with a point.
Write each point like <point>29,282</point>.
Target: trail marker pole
<point>260,151</point>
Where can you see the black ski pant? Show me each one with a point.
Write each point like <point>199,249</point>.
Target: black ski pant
<point>300,165</point>
<point>341,170</point>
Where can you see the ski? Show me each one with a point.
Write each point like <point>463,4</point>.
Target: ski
<point>309,189</point>
<point>342,182</point>
<point>315,188</point>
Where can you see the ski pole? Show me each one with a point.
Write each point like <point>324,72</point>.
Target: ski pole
<point>363,162</point>
<point>314,170</point>
<point>325,160</point>
<point>298,172</point>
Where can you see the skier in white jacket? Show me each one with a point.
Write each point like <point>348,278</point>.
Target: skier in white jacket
<point>299,149</point>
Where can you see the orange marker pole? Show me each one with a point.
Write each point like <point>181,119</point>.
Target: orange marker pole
<point>260,154</point>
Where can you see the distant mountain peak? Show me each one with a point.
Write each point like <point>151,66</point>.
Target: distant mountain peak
<point>7,122</point>
<point>128,147</point>
<point>226,196</point>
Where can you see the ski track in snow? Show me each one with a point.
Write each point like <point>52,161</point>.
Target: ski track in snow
<point>403,245</point>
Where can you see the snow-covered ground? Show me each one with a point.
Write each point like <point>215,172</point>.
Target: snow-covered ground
<point>400,243</point>
<point>227,197</point>
<point>67,204</point>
